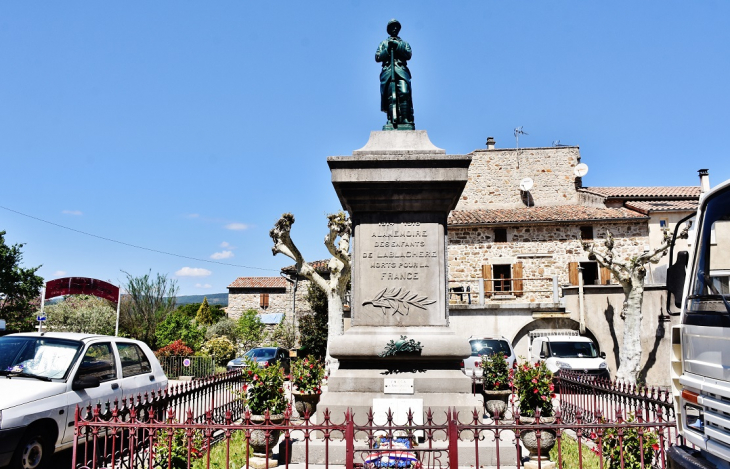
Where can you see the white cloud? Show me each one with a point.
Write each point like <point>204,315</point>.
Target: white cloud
<point>72,212</point>
<point>193,272</point>
<point>200,285</point>
<point>225,244</point>
<point>222,255</point>
<point>237,226</point>
<point>60,273</point>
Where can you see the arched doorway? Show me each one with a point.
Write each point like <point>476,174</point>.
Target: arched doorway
<point>521,340</point>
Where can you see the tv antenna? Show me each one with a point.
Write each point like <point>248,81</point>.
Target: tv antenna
<point>518,132</point>
<point>556,143</point>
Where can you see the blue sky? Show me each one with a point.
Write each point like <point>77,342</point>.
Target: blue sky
<point>189,127</point>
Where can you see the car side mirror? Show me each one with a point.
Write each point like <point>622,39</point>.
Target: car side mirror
<point>603,355</point>
<point>542,356</point>
<point>676,274</point>
<point>85,382</point>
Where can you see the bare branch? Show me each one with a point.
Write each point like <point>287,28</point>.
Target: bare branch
<point>283,244</point>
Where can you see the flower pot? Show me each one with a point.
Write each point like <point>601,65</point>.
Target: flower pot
<point>260,438</point>
<point>305,402</point>
<point>496,401</point>
<point>546,443</point>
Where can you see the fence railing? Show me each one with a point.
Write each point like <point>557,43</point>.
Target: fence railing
<point>197,367</point>
<point>479,291</point>
<point>448,441</point>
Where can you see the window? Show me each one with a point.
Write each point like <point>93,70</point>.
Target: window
<point>590,273</point>
<point>134,361</point>
<point>545,352</point>
<point>99,362</point>
<point>264,300</point>
<point>488,347</point>
<point>664,224</point>
<point>586,232</point>
<point>500,235</point>
<point>502,278</point>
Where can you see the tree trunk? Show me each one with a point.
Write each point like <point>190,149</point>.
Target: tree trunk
<point>335,325</point>
<point>630,354</point>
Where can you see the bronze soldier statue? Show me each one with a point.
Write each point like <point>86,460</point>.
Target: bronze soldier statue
<point>395,80</point>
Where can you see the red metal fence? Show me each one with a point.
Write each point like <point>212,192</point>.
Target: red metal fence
<point>153,434</point>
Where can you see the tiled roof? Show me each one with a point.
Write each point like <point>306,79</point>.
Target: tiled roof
<point>258,282</point>
<point>321,266</point>
<point>682,192</point>
<point>559,213</point>
<point>646,206</point>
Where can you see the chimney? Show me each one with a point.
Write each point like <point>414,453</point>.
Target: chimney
<point>704,180</point>
<point>490,143</point>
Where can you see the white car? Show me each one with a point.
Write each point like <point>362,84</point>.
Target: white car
<point>570,352</point>
<point>44,376</point>
<point>481,346</point>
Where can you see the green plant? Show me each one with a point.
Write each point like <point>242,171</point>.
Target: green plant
<point>225,327</point>
<point>19,289</point>
<point>250,330</point>
<point>177,325</point>
<point>172,445</point>
<point>82,313</point>
<point>628,445</point>
<point>221,348</point>
<point>175,349</point>
<point>217,454</point>
<point>313,327</point>
<point>204,316</point>
<point>495,372</point>
<point>147,303</point>
<point>264,389</point>
<point>569,455</point>
<point>534,387</point>
<point>307,375</point>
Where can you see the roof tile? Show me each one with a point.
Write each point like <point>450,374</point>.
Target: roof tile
<point>646,206</point>
<point>258,282</point>
<point>684,192</point>
<point>558,213</point>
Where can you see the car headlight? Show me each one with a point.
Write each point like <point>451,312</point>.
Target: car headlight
<point>603,366</point>
<point>695,418</point>
<point>563,364</point>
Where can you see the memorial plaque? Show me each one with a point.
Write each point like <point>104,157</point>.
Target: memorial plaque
<point>399,272</point>
<point>398,386</point>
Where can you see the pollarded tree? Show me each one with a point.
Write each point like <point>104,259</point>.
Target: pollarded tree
<point>631,275</point>
<point>19,289</point>
<point>337,242</point>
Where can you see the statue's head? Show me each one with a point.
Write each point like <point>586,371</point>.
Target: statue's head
<point>393,27</point>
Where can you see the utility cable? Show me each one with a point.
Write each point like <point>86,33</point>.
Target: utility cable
<point>134,245</point>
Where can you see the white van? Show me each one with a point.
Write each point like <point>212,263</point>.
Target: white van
<point>44,376</point>
<point>567,350</point>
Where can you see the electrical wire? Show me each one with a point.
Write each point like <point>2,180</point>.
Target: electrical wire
<point>134,245</point>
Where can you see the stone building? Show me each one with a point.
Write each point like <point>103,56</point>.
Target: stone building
<point>515,256</point>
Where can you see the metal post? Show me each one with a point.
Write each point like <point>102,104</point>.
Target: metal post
<point>43,301</point>
<point>119,304</point>
<point>556,291</point>
<point>482,287</point>
<point>581,305</point>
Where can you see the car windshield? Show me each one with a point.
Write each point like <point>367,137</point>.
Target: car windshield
<point>261,353</point>
<point>573,349</point>
<point>489,347</point>
<point>37,356</point>
<point>710,291</point>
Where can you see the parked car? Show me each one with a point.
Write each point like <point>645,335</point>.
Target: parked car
<point>274,356</point>
<point>44,376</point>
<point>486,346</point>
<point>567,350</point>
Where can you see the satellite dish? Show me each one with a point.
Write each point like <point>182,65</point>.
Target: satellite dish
<point>580,170</point>
<point>526,184</point>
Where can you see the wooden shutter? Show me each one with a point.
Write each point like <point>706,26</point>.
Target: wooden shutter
<point>264,301</point>
<point>517,278</point>
<point>487,276</point>
<point>605,275</point>
<point>573,273</point>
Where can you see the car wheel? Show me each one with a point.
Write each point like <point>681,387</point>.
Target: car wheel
<point>33,452</point>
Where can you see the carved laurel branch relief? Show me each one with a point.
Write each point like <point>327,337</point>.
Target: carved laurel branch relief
<point>398,302</point>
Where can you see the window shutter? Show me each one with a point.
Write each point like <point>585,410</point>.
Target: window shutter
<point>264,301</point>
<point>605,275</point>
<point>573,273</point>
<point>487,276</point>
<point>517,278</point>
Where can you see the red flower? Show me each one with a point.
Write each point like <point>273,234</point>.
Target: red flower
<point>534,380</point>
<point>544,398</point>
<point>497,384</point>
<point>655,447</point>
<point>552,395</point>
<point>311,366</point>
<point>534,391</point>
<point>552,387</point>
<point>255,377</point>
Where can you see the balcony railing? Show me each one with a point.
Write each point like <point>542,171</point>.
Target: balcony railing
<point>479,291</point>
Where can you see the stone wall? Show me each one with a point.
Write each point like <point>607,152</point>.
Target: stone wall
<point>543,250</point>
<point>495,175</point>
<point>280,301</point>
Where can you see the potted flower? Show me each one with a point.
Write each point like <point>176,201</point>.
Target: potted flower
<point>264,392</point>
<point>307,375</point>
<point>496,383</point>
<point>533,384</point>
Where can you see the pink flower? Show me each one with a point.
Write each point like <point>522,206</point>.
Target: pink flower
<point>544,398</point>
<point>552,387</point>
<point>534,380</point>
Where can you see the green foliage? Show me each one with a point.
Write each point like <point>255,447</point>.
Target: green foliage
<point>173,445</point>
<point>264,389</point>
<point>178,326</point>
<point>82,313</point>
<point>236,453</point>
<point>191,310</point>
<point>629,446</point>
<point>569,454</point>
<point>175,349</point>
<point>307,375</point>
<point>495,372</point>
<point>534,387</point>
<point>147,303</point>
<point>283,335</point>
<point>19,289</point>
<point>313,327</point>
<point>221,348</point>
<point>250,330</point>
<point>226,327</point>
<point>204,315</point>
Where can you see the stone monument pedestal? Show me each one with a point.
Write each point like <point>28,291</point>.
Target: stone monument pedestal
<point>399,189</point>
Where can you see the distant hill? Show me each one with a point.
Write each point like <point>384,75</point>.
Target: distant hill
<point>213,299</point>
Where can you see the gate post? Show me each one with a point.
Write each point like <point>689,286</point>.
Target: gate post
<point>452,433</point>
<point>349,440</point>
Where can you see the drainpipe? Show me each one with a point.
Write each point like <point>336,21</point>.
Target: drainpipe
<point>581,303</point>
